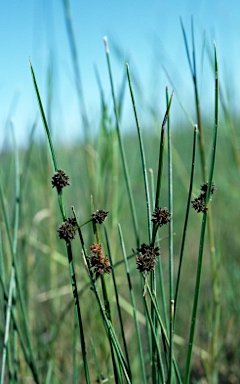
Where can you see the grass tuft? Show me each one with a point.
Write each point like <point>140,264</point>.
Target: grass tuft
<point>132,234</point>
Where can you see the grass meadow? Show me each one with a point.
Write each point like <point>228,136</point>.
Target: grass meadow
<point>149,295</point>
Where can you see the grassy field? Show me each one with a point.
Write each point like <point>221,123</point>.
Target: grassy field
<point>122,326</point>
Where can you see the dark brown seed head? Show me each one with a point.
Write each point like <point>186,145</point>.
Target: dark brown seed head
<point>60,180</point>
<point>204,188</point>
<point>99,216</point>
<point>199,204</point>
<point>67,229</point>
<point>99,262</point>
<point>96,248</point>
<point>161,216</point>
<point>147,258</point>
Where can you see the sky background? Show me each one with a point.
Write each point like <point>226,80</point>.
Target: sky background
<point>147,34</point>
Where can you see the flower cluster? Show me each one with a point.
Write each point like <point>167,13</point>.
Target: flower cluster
<point>98,261</point>
<point>147,258</point>
<point>99,216</point>
<point>67,229</point>
<point>161,216</point>
<point>60,180</point>
<point>199,204</point>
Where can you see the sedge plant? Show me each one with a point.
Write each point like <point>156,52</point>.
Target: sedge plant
<point>137,308</point>
<point>164,365</point>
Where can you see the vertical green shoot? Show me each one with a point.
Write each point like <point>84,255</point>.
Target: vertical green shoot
<point>122,151</point>
<point>113,341</point>
<point>204,221</point>
<point>68,244</point>
<point>49,139</point>
<point>160,165</point>
<point>118,304</point>
<point>157,351</point>
<point>7,323</point>
<point>185,225</point>
<point>13,247</point>
<point>144,168</point>
<point>193,69</point>
<point>170,202</point>
<point>133,306</point>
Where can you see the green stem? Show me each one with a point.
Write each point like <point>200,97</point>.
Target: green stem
<point>185,224</point>
<point>122,151</point>
<point>163,331</point>
<point>216,286</point>
<point>204,221</point>
<point>156,345</point>
<point>107,324</point>
<point>68,244</point>
<point>44,120</point>
<point>160,166</point>
<point>193,68</point>
<point>144,168</point>
<point>96,365</point>
<point>20,335</point>
<point>7,323</point>
<point>196,297</point>
<point>117,372</point>
<point>118,303</point>
<point>78,310</point>
<point>133,307</point>
<point>13,243</point>
<point>159,264</point>
<point>49,373</point>
<point>170,202</point>
<point>75,365</point>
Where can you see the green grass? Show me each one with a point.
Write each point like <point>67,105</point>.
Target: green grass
<point>45,279</point>
<point>120,328</point>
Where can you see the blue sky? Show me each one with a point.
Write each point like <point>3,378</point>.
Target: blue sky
<point>147,33</point>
